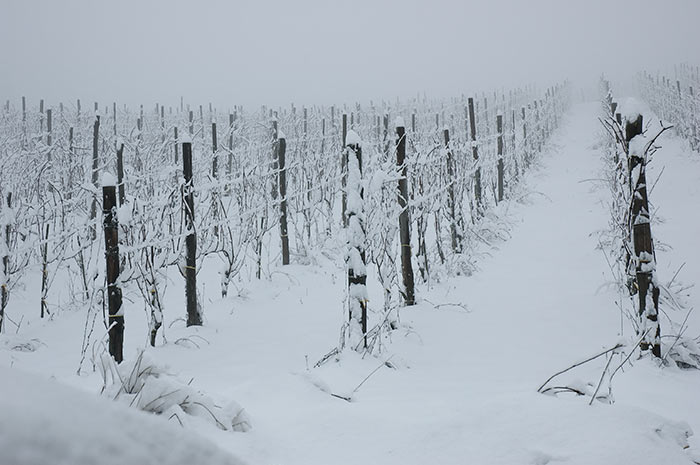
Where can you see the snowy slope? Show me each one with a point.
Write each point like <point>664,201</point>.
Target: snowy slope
<point>44,422</point>
<point>465,365</point>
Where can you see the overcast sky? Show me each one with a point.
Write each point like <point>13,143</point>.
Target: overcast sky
<point>325,51</point>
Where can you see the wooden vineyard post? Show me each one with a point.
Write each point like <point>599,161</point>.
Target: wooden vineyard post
<point>95,168</point>
<point>229,164</point>
<point>282,173</point>
<point>275,162</point>
<point>24,121</point>
<point>114,123</point>
<point>194,316</point>
<point>357,271</point>
<point>177,150</point>
<point>344,172</point>
<point>48,132</point>
<point>214,150</point>
<point>162,124</point>
<point>538,128</point>
<point>516,167</point>
<point>120,172</point>
<point>41,116</point>
<point>404,216</point>
<point>456,237</point>
<point>4,290</point>
<point>644,256</point>
<point>499,164</point>
<point>693,121</point>
<point>475,155</point>
<point>525,149</point>
<point>215,177</point>
<point>114,292</point>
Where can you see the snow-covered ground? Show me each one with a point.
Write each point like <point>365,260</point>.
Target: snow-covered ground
<point>46,422</point>
<point>458,382</point>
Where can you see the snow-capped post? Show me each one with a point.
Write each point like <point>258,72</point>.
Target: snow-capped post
<point>386,133</point>
<point>215,177</point>
<point>114,292</point>
<point>516,167</point>
<point>120,171</point>
<point>499,163</point>
<point>538,127</point>
<point>177,150</point>
<point>194,316</point>
<point>475,155</point>
<point>525,151</point>
<point>275,162</point>
<point>456,236</point>
<point>44,251</point>
<point>356,237</point>
<point>24,121</point>
<point>49,113</point>
<point>644,258</point>
<point>404,215</point>
<point>4,285</point>
<point>41,116</point>
<point>162,124</point>
<point>95,168</point>
<point>282,173</point>
<point>344,172</point>
<point>229,162</point>
<point>214,151</point>
<point>114,121</point>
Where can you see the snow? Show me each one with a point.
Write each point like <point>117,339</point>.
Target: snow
<point>399,122</point>
<point>637,146</point>
<point>46,422</point>
<point>108,179</point>
<point>631,108</point>
<point>352,138</point>
<point>280,134</point>
<point>458,380</point>
<point>184,137</point>
<point>124,213</point>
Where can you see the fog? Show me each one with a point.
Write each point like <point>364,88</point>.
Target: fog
<point>322,51</point>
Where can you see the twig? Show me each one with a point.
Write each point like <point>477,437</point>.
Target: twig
<point>369,375</point>
<point>630,354</point>
<point>602,376</point>
<point>678,336</point>
<point>617,346</point>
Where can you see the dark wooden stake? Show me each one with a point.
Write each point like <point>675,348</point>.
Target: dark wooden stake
<point>95,168</point>
<point>194,317</point>
<point>455,235</point>
<point>404,218</point>
<point>120,173</point>
<point>282,172</point>
<point>344,172</point>
<point>358,277</point>
<point>114,293</point>
<point>475,155</point>
<point>5,297</point>
<point>643,244</point>
<point>499,164</point>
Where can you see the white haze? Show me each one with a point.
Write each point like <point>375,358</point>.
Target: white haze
<point>322,51</point>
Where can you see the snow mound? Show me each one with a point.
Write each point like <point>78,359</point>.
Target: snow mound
<point>150,387</point>
<point>45,422</point>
